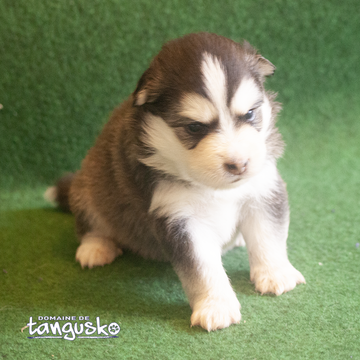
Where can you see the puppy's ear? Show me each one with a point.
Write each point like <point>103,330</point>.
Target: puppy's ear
<point>263,66</point>
<point>148,87</point>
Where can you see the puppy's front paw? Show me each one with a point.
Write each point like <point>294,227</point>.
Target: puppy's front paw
<point>96,251</point>
<point>214,313</point>
<point>276,280</point>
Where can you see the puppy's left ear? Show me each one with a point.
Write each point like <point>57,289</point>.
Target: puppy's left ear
<point>264,66</point>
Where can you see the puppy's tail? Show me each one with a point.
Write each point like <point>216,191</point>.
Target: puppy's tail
<point>59,193</point>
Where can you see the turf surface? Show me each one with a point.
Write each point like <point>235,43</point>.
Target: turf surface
<point>64,66</point>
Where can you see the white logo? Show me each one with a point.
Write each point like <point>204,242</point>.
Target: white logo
<point>69,330</point>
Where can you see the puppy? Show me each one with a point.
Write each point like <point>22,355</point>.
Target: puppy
<point>186,168</point>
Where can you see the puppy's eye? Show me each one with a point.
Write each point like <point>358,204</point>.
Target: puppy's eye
<point>250,115</point>
<point>197,128</point>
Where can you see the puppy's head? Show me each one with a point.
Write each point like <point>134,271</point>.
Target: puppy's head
<point>206,116</point>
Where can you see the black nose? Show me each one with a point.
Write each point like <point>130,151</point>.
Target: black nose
<point>236,168</point>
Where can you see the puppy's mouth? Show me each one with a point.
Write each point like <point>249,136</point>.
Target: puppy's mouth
<point>231,179</point>
<point>238,178</point>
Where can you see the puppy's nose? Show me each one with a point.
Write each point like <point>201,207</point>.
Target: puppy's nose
<point>236,168</point>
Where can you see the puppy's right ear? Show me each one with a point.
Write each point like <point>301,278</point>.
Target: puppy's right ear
<point>148,87</point>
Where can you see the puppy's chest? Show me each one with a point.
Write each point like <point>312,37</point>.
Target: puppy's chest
<point>216,213</point>
<point>216,219</point>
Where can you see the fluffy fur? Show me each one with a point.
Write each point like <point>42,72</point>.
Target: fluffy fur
<point>186,169</point>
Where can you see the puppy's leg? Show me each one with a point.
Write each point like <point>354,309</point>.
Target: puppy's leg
<point>265,229</point>
<point>95,250</point>
<point>97,246</point>
<point>196,257</point>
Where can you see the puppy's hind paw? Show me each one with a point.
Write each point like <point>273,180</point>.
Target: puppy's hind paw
<point>214,313</point>
<point>276,280</point>
<point>96,251</point>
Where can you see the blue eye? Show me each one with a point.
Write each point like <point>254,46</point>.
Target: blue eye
<point>250,115</point>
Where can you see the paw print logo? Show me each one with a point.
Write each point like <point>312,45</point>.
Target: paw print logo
<point>114,328</point>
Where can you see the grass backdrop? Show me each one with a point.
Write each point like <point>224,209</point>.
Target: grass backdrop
<point>65,65</point>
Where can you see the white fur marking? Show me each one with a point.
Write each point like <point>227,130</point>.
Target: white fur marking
<point>196,107</point>
<point>245,97</point>
<point>214,80</point>
<point>170,155</point>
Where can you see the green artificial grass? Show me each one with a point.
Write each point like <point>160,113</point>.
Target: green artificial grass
<point>64,66</point>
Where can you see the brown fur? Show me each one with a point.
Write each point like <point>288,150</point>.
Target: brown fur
<point>112,191</point>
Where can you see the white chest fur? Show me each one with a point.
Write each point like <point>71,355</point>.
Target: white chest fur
<point>211,214</point>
